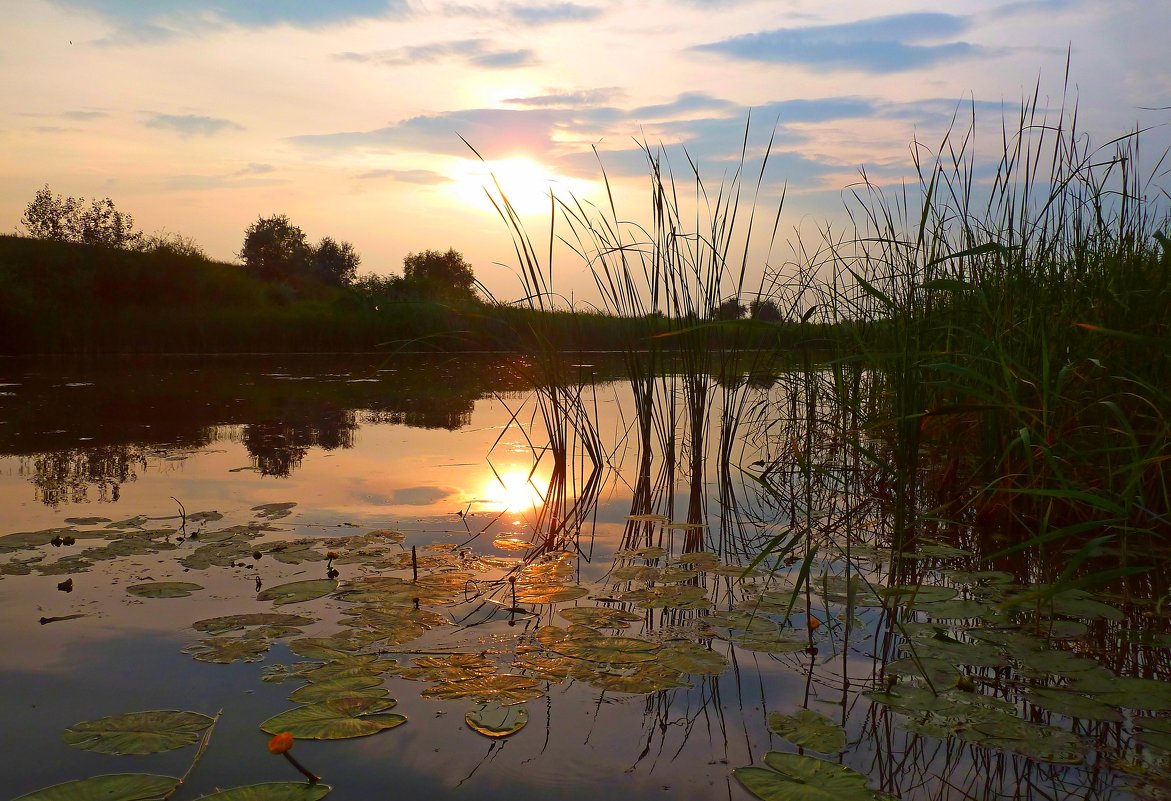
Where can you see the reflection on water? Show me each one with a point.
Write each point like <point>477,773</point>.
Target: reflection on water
<point>455,532</point>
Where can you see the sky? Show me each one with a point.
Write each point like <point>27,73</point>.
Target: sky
<point>358,118</point>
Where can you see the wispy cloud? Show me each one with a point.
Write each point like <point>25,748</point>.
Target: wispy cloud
<point>255,168</point>
<point>477,52</point>
<point>192,124</point>
<point>136,21</point>
<point>577,99</point>
<point>422,177</point>
<point>552,13</point>
<point>894,43</point>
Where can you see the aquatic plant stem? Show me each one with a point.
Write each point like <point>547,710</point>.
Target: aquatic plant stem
<point>198,755</point>
<point>308,774</point>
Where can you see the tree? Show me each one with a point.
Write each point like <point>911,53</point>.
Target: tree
<point>764,310</point>
<point>730,309</point>
<point>174,244</point>
<point>445,274</point>
<point>336,262</point>
<point>66,219</point>
<point>275,249</point>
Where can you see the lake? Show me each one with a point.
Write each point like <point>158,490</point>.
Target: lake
<point>555,583</point>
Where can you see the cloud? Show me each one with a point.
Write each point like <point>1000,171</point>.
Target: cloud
<point>422,177</point>
<point>878,44</point>
<point>255,168</point>
<point>192,124</point>
<point>158,20</point>
<point>537,14</point>
<point>499,132</point>
<point>478,52</point>
<point>686,103</point>
<point>78,116</point>
<point>580,98</point>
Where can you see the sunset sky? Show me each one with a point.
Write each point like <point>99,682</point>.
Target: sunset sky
<point>198,116</point>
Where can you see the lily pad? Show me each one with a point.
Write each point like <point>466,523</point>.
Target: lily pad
<point>808,729</point>
<point>138,732</point>
<point>689,657</point>
<point>341,687</point>
<point>222,625</point>
<point>297,591</point>
<point>792,777</point>
<point>336,719</point>
<point>495,720</point>
<point>600,617</point>
<point>112,787</point>
<point>272,791</point>
<point>163,589</point>
<point>1073,705</point>
<point>504,688</point>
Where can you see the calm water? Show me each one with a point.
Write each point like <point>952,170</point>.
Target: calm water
<point>454,455</point>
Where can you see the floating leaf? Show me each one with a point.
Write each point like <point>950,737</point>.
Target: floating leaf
<point>163,589</point>
<point>600,617</point>
<point>273,511</point>
<point>494,720</point>
<point>641,678</point>
<point>669,597</point>
<point>272,791</point>
<point>935,673</point>
<point>1134,693</point>
<point>86,521</point>
<point>582,642</point>
<point>112,787</point>
<point>297,591</point>
<point>917,593</point>
<point>808,729</point>
<point>768,642</point>
<point>688,657</point>
<point>792,777</point>
<point>336,719</point>
<point>225,650</point>
<point>1073,705</point>
<point>138,732</point>
<point>222,625</point>
<point>549,593</point>
<point>340,687</point>
<point>503,688</point>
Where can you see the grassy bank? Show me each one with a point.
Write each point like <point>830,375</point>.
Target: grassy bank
<point>62,298</point>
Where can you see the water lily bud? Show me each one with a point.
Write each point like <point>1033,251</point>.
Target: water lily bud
<point>281,743</point>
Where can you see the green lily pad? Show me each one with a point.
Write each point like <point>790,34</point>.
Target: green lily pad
<point>600,617</point>
<point>549,593</point>
<point>163,589</point>
<point>1134,693</point>
<point>494,720</point>
<point>808,729</point>
<point>1073,705</point>
<point>336,719</point>
<point>582,642</point>
<point>769,642</point>
<point>689,657</point>
<point>112,787</point>
<point>917,594</point>
<point>340,687</point>
<point>138,732</point>
<point>297,591</point>
<point>504,688</point>
<point>222,625</point>
<point>936,673</point>
<point>792,777</point>
<point>273,511</point>
<point>226,650</point>
<point>272,791</point>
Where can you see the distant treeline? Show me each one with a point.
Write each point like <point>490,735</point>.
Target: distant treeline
<point>71,298</point>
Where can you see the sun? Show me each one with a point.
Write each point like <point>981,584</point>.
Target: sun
<point>513,490</point>
<point>525,183</point>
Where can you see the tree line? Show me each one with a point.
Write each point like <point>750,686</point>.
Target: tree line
<point>274,250</point>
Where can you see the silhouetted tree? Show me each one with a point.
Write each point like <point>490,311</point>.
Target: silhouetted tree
<point>444,274</point>
<point>764,310</point>
<point>67,219</point>
<point>730,309</point>
<point>336,262</point>
<point>173,244</point>
<point>275,249</point>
